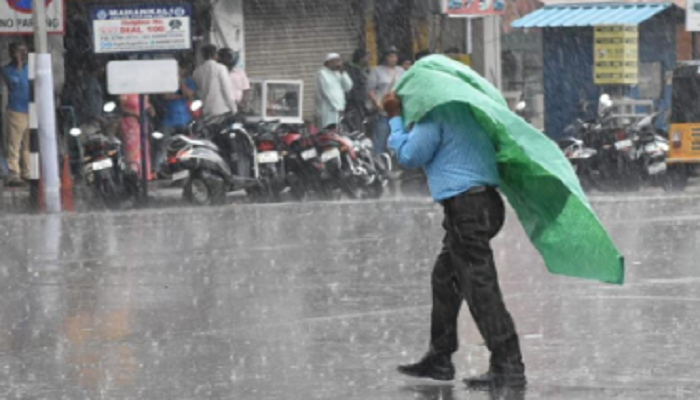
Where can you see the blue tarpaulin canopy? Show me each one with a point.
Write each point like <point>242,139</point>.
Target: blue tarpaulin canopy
<point>579,15</point>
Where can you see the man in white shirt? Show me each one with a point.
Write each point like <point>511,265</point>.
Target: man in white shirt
<point>214,85</point>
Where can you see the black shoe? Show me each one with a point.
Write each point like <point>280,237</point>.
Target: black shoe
<point>16,181</point>
<point>491,380</point>
<point>438,367</point>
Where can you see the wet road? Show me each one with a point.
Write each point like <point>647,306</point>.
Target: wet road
<point>322,301</point>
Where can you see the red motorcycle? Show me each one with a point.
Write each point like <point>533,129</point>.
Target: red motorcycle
<point>305,171</point>
<point>351,164</point>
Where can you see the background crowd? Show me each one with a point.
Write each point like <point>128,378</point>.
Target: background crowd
<point>349,91</point>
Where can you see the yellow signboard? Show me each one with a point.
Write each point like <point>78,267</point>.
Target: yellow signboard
<point>616,55</point>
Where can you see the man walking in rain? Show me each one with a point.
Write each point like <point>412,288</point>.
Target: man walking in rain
<point>460,161</point>
<point>332,85</point>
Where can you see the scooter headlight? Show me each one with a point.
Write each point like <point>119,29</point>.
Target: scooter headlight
<point>367,143</point>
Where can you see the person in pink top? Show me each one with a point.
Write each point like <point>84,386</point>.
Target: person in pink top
<point>131,131</point>
<point>239,79</point>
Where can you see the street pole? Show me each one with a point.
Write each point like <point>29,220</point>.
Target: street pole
<point>46,111</point>
<point>144,148</point>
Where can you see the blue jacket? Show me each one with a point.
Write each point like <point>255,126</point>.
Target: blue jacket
<point>453,149</point>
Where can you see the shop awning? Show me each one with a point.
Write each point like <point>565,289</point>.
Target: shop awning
<point>578,15</point>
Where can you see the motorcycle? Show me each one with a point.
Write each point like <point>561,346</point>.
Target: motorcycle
<point>652,149</point>
<point>113,182</point>
<point>305,171</point>
<point>601,152</point>
<point>269,161</point>
<point>350,163</point>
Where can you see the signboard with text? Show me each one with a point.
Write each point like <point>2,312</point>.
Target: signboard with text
<point>141,28</point>
<point>16,17</point>
<point>616,55</point>
<point>692,16</point>
<point>473,8</point>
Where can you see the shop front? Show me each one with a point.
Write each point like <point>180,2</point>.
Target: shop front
<point>289,40</point>
<point>626,50</point>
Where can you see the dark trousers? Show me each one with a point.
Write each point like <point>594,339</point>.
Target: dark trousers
<point>465,271</point>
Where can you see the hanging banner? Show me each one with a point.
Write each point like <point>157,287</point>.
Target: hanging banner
<point>16,17</point>
<point>141,28</point>
<point>473,8</point>
<point>692,16</point>
<point>616,55</point>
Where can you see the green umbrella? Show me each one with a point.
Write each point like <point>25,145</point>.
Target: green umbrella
<point>537,179</point>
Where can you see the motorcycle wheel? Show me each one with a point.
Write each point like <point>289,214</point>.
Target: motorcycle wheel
<point>676,179</point>
<point>375,191</point>
<point>109,194</point>
<point>263,193</point>
<point>201,190</point>
<point>299,192</point>
<point>197,192</point>
<point>350,189</point>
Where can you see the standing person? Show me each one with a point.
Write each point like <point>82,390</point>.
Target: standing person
<point>406,63</point>
<point>358,70</point>
<point>214,85</point>
<point>460,162</point>
<point>177,114</point>
<point>382,81</point>
<point>16,77</point>
<point>239,79</point>
<point>91,103</point>
<point>131,132</point>
<point>332,84</point>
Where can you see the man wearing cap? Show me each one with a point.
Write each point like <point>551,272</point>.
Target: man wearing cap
<point>332,84</point>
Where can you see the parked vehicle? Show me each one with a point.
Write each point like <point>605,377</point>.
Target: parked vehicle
<point>223,155</point>
<point>113,183</point>
<point>305,171</point>
<point>269,161</point>
<point>610,157</point>
<point>684,133</point>
<point>601,152</point>
<point>350,163</point>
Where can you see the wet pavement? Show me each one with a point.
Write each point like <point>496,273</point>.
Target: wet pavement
<point>322,301</point>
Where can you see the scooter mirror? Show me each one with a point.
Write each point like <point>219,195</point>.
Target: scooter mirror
<point>606,101</point>
<point>157,135</point>
<point>196,105</point>
<point>521,106</point>
<point>75,132</point>
<point>109,107</point>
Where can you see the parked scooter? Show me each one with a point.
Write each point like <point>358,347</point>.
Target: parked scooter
<point>218,157</point>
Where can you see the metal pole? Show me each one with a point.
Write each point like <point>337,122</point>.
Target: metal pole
<point>470,37</point>
<point>144,147</point>
<point>46,110</point>
<point>694,37</point>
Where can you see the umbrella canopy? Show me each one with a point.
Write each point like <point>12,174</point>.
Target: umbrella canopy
<point>537,179</point>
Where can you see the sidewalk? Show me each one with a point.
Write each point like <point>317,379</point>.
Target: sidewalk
<point>16,200</point>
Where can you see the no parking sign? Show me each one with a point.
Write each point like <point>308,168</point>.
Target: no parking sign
<point>16,17</point>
